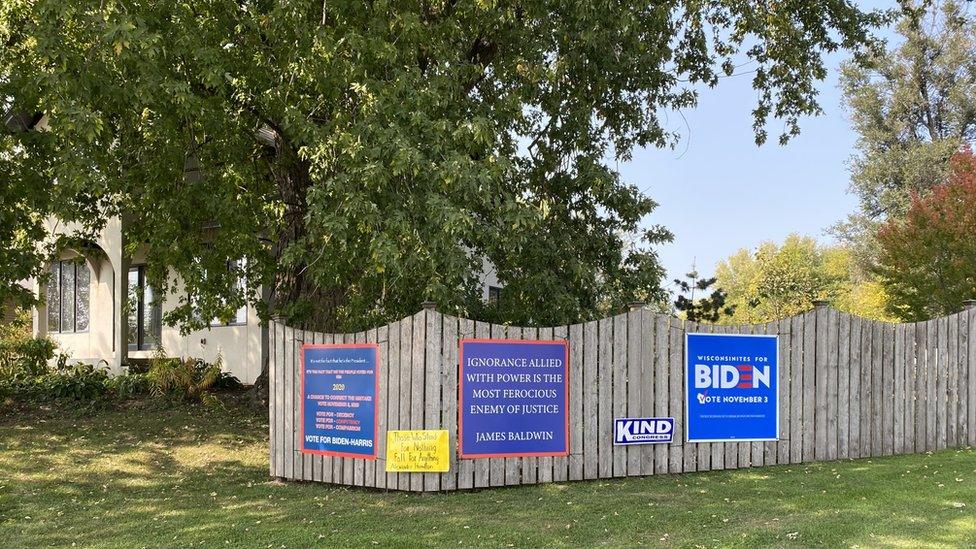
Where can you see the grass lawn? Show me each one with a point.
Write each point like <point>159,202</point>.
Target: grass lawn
<point>189,476</point>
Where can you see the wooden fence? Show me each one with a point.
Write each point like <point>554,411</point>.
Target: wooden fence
<point>848,388</point>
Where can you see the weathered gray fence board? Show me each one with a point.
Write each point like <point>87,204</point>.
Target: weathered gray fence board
<point>393,392</point>
<point>848,387</point>
<point>661,388</point>
<point>971,372</point>
<point>843,385</point>
<point>590,399</point>
<point>290,435</point>
<point>418,358</point>
<point>809,381</point>
<point>932,371</point>
<point>676,337</point>
<point>619,389</point>
<point>604,402</point>
<point>942,426</point>
<point>560,464</point>
<point>854,396</point>
<point>648,322</point>
<point>756,459</point>
<point>921,387</point>
<point>449,395</point>
<point>864,408</point>
<point>963,388</point>
<point>787,359</point>
<point>635,383</point>
<point>689,449</point>
<point>909,399</point>
<point>888,403</point>
<point>432,386</point>
<point>382,338</point>
<point>272,428</point>
<point>796,389</point>
<point>899,392</point>
<point>952,383</point>
<point>576,398</point>
<point>877,387</point>
<point>833,346</point>
<point>406,355</point>
<point>769,448</point>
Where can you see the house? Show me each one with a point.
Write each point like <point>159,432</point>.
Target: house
<point>98,307</point>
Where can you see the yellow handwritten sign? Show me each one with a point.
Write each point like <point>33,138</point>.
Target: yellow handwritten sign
<point>417,452</point>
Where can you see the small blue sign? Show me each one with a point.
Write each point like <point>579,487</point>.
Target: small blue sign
<point>643,430</point>
<point>514,398</point>
<point>732,387</point>
<point>339,388</point>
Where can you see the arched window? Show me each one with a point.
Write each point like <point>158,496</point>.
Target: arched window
<point>68,296</point>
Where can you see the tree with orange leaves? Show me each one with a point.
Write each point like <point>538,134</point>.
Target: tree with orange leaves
<point>928,258</point>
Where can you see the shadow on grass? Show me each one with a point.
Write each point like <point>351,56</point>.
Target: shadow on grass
<point>193,475</point>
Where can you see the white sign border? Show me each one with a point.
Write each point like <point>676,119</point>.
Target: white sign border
<point>625,444</point>
<point>687,429</point>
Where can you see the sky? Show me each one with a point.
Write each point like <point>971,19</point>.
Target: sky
<point>718,192</point>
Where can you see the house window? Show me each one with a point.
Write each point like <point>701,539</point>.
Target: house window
<point>144,312</point>
<point>68,294</point>
<point>494,295</point>
<point>240,316</point>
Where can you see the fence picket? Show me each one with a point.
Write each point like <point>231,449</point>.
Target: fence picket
<point>590,399</point>
<point>576,399</point>
<point>662,328</point>
<point>449,396</point>
<point>843,386</point>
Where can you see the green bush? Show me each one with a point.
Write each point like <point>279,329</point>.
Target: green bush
<point>25,357</point>
<point>26,377</point>
<point>128,385</point>
<point>75,382</point>
<point>189,379</point>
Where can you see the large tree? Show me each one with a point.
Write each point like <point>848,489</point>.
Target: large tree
<point>912,105</point>
<point>780,280</point>
<point>365,156</point>
<point>928,259</point>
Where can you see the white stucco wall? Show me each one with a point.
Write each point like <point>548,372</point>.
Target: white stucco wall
<point>239,346</point>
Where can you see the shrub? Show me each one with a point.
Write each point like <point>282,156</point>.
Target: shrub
<point>128,385</point>
<point>25,357</point>
<point>190,379</point>
<point>75,382</point>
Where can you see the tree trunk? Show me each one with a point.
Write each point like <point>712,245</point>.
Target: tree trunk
<point>294,297</point>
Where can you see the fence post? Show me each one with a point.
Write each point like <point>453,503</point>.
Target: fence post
<point>429,305</point>
<point>820,303</point>
<point>635,305</point>
<point>969,304</point>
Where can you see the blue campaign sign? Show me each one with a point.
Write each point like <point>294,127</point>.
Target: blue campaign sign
<point>339,391</point>
<point>514,398</point>
<point>732,387</point>
<point>643,430</point>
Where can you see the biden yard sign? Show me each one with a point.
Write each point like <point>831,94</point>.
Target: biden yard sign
<point>514,398</point>
<point>732,387</point>
<point>339,388</point>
